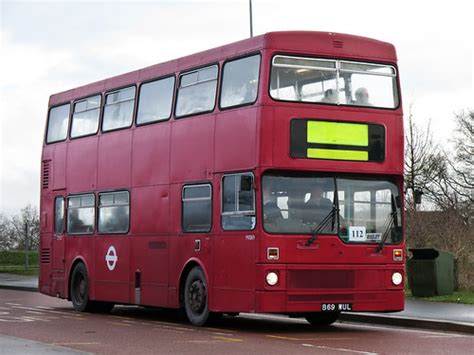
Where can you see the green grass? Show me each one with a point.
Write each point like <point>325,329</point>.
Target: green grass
<point>13,262</point>
<point>18,258</point>
<point>465,297</point>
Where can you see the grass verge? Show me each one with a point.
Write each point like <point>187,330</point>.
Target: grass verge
<point>464,297</point>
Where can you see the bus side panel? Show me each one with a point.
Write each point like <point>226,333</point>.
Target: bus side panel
<point>234,272</point>
<point>150,245</point>
<point>82,165</point>
<point>46,221</point>
<point>59,170</point>
<point>151,155</point>
<point>46,252</point>
<point>112,268</point>
<point>192,149</point>
<point>236,140</point>
<point>115,160</point>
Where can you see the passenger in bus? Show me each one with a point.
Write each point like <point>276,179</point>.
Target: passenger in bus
<point>271,212</point>
<point>330,96</point>
<point>362,97</point>
<point>317,207</point>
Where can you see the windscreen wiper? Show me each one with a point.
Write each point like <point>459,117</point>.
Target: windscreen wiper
<point>390,222</point>
<point>330,217</point>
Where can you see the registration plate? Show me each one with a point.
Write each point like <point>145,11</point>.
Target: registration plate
<point>339,307</point>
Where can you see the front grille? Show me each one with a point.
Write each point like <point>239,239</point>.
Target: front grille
<point>320,279</point>
<point>45,256</point>
<point>342,298</point>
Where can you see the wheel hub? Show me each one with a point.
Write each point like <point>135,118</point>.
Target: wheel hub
<point>197,296</point>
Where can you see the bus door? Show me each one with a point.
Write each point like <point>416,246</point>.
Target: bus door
<point>112,247</point>
<point>234,248</point>
<point>58,240</point>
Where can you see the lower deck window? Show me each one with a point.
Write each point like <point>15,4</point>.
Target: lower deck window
<point>114,212</point>
<point>81,214</point>
<point>197,208</point>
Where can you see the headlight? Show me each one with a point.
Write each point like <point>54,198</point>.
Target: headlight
<point>272,278</point>
<point>397,278</point>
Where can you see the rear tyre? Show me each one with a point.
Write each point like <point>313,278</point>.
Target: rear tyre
<point>320,319</point>
<point>196,297</point>
<point>80,289</point>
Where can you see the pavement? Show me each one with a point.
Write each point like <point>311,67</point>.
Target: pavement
<point>442,316</point>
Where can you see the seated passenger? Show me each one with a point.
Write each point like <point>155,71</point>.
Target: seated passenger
<point>330,96</point>
<point>362,97</point>
<point>271,212</point>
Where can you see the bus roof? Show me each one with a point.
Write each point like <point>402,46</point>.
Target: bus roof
<point>327,44</point>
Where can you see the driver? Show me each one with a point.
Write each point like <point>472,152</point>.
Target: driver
<point>317,207</point>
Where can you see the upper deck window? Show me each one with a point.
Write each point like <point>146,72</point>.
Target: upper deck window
<point>118,110</point>
<point>154,103</point>
<point>240,81</point>
<point>58,123</point>
<point>85,119</point>
<point>197,91</point>
<point>334,82</point>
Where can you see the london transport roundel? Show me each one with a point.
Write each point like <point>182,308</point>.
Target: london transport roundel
<point>111,258</point>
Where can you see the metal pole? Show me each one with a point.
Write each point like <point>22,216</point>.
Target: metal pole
<point>26,245</point>
<point>251,21</point>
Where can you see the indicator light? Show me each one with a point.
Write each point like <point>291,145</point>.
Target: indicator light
<point>397,254</point>
<point>273,253</point>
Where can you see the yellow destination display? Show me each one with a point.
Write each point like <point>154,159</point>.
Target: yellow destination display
<point>337,154</point>
<point>324,132</point>
<point>333,140</point>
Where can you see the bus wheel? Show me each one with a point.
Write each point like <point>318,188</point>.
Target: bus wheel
<point>322,319</point>
<point>195,297</point>
<point>80,289</point>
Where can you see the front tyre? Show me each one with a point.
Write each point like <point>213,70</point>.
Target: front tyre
<point>79,290</point>
<point>196,297</point>
<point>321,319</point>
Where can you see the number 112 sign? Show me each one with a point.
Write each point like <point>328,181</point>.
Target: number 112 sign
<point>357,234</point>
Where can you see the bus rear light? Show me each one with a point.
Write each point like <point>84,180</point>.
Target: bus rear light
<point>397,254</point>
<point>273,253</point>
<point>397,278</point>
<point>272,278</point>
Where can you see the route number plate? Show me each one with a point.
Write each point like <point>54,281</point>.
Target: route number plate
<point>336,307</point>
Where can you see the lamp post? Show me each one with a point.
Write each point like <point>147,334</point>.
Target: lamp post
<point>251,21</point>
<point>26,245</point>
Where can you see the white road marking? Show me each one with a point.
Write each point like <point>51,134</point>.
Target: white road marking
<point>344,350</point>
<point>395,329</point>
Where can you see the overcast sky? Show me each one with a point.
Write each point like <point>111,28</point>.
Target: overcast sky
<point>49,47</point>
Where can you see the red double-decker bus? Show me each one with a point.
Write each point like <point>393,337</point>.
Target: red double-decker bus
<point>260,176</point>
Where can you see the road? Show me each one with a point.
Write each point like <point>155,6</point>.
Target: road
<point>130,329</point>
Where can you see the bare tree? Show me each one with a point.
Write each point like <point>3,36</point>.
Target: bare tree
<point>453,188</point>
<point>7,240</point>
<point>29,218</point>
<point>424,161</point>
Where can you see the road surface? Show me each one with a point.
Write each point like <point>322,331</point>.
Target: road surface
<point>130,329</point>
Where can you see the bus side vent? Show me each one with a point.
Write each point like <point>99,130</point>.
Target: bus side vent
<point>338,44</point>
<point>45,256</point>
<point>45,175</point>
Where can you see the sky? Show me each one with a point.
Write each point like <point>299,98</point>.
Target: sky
<point>49,47</point>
